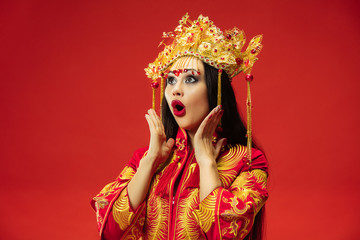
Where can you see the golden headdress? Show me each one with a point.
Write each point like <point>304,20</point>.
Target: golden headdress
<point>203,40</point>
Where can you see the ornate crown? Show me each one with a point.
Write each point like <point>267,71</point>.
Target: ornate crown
<point>202,39</point>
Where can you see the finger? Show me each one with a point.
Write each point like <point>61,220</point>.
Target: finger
<point>150,123</point>
<point>152,114</point>
<point>217,118</point>
<point>159,123</point>
<point>156,119</point>
<point>156,125</point>
<point>200,130</point>
<point>218,115</point>
<point>153,118</point>
<point>213,121</point>
<point>209,124</point>
<point>203,130</point>
<point>170,143</point>
<point>212,114</point>
<point>211,128</point>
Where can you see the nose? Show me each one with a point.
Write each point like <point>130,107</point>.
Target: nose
<point>177,89</point>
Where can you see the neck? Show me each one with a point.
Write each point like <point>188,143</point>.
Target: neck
<point>191,135</point>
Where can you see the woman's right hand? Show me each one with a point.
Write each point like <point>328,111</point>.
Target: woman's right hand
<point>159,148</point>
<point>159,151</point>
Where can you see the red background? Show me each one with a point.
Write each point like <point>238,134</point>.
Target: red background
<point>73,97</point>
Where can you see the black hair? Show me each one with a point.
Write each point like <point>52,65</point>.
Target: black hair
<point>233,127</point>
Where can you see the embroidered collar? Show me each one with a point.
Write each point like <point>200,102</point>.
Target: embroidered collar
<point>182,140</point>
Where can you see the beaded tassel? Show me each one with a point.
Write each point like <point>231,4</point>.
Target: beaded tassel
<point>153,98</point>
<point>249,78</point>
<point>219,94</point>
<point>161,94</point>
<point>219,88</point>
<point>154,86</point>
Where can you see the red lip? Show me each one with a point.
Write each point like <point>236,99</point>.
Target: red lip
<point>178,108</point>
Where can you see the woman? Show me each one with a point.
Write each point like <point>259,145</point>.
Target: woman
<point>196,179</point>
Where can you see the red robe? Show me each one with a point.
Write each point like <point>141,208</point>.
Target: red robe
<point>228,212</point>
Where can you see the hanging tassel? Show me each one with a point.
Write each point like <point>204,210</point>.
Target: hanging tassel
<point>161,93</point>
<point>219,93</point>
<point>249,79</point>
<point>219,88</point>
<point>154,85</point>
<point>153,99</point>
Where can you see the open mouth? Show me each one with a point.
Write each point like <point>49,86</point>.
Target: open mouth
<point>178,108</point>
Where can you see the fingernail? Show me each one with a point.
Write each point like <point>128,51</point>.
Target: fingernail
<point>210,116</point>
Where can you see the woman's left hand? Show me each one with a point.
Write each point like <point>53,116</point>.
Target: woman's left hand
<point>205,152</point>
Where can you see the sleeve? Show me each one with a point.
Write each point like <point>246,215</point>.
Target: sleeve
<point>230,213</point>
<point>115,217</point>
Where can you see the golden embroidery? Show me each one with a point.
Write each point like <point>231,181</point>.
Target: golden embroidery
<point>109,188</point>
<point>121,211</point>
<point>180,144</point>
<point>190,215</point>
<point>261,176</point>
<point>157,217</point>
<point>234,212</point>
<point>100,202</point>
<point>247,184</point>
<point>135,234</point>
<point>234,227</point>
<point>244,187</point>
<point>205,215</point>
<point>228,162</point>
<point>190,172</point>
<point>141,221</point>
<point>125,176</point>
<point>100,220</point>
<point>127,173</point>
<point>235,215</point>
<point>227,177</point>
<point>120,205</point>
<point>186,227</point>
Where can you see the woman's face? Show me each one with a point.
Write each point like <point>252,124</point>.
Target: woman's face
<point>186,93</point>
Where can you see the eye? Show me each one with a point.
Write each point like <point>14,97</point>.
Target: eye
<point>190,79</point>
<point>171,80</point>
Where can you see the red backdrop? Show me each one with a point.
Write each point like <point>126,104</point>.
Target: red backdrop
<point>73,97</point>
